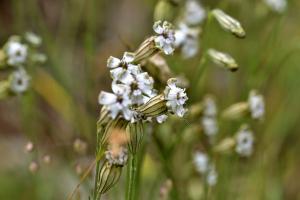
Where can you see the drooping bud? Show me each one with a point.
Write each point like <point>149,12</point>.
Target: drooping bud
<point>228,23</point>
<point>223,59</point>
<point>236,111</point>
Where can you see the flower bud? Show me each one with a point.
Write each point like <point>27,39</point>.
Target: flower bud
<point>156,106</point>
<point>33,167</point>
<point>225,145</point>
<point>223,60</point>
<point>29,147</point>
<point>108,177</point>
<point>228,23</point>
<point>135,133</point>
<point>164,10</point>
<point>146,50</point>
<point>236,111</point>
<point>47,159</point>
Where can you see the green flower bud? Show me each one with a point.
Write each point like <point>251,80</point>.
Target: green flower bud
<point>236,111</point>
<point>146,50</point>
<point>228,23</point>
<point>108,177</point>
<point>135,133</point>
<point>154,107</point>
<point>223,59</point>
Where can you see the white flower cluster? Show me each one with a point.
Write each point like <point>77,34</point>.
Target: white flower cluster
<point>209,118</point>
<point>277,5</point>
<point>165,39</point>
<point>244,142</point>
<point>176,98</point>
<point>132,87</point>
<point>18,52</point>
<point>120,158</point>
<point>206,168</point>
<point>256,105</point>
<point>187,33</point>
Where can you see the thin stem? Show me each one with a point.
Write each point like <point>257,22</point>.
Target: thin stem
<point>131,187</point>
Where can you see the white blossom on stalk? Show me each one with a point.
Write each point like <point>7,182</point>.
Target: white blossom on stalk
<point>187,39</point>
<point>244,142</point>
<point>256,105</point>
<point>277,5</point>
<point>117,102</point>
<point>165,39</point>
<point>212,176</point>
<point>16,53</point>
<point>117,158</point>
<point>19,81</point>
<point>201,162</point>
<point>176,98</point>
<point>210,125</point>
<point>194,13</point>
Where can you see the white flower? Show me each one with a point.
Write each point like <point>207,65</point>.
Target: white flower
<point>16,53</point>
<point>210,126</point>
<point>176,98</point>
<point>187,39</point>
<point>19,81</point>
<point>120,69</point>
<point>201,161</point>
<point>194,13</point>
<point>117,103</point>
<point>139,83</point>
<point>210,107</point>
<point>162,118</point>
<point>244,142</point>
<point>256,105</point>
<point>119,158</point>
<point>212,176</point>
<point>165,40</point>
<point>277,5</point>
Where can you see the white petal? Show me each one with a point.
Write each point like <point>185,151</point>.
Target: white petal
<point>106,98</point>
<point>162,118</point>
<point>120,89</point>
<point>113,62</point>
<point>157,27</point>
<point>128,57</point>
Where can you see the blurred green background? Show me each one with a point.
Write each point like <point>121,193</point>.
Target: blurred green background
<point>78,37</point>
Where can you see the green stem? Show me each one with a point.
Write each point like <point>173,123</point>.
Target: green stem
<point>167,167</point>
<point>132,178</point>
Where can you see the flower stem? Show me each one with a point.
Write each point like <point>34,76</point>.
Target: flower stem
<point>132,178</point>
